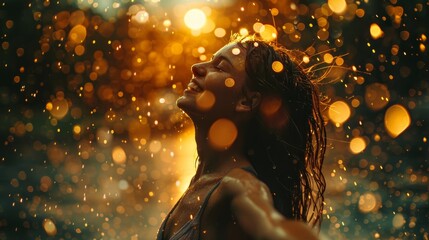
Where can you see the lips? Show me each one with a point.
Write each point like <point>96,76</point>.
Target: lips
<point>194,86</point>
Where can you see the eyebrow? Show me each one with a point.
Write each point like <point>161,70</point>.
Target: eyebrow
<point>221,57</point>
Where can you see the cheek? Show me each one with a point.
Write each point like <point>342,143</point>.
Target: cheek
<point>227,83</point>
<point>223,96</point>
<point>219,84</point>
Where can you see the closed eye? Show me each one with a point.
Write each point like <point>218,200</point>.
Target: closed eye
<point>218,68</point>
<point>220,65</point>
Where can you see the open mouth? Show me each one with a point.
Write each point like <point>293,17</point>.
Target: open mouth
<point>192,86</point>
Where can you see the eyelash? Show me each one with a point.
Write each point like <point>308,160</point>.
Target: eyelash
<point>218,68</point>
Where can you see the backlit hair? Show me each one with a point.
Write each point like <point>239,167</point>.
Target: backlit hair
<point>286,140</point>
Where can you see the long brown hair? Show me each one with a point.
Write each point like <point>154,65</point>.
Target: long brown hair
<point>286,140</point>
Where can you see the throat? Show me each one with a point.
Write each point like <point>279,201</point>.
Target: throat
<point>219,164</point>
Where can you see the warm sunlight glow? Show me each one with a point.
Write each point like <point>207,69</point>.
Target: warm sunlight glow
<point>195,19</point>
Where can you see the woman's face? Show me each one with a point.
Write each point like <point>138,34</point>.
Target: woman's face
<point>216,86</point>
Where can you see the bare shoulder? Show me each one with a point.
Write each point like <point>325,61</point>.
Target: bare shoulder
<point>239,182</point>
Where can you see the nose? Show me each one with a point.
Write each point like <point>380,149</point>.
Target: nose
<point>199,70</point>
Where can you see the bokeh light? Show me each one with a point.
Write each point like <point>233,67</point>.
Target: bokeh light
<point>205,100</point>
<point>268,32</point>
<point>339,112</point>
<point>49,227</point>
<point>277,66</point>
<point>369,202</point>
<point>222,134</point>
<point>118,155</point>
<point>357,145</point>
<point>77,35</point>
<point>396,120</point>
<point>141,16</point>
<point>375,31</point>
<point>229,82</point>
<point>337,6</point>
<point>195,19</point>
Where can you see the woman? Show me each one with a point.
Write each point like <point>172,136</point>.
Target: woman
<point>261,142</point>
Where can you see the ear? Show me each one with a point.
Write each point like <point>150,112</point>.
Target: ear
<point>249,102</point>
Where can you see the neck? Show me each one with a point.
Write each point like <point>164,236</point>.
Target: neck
<point>218,162</point>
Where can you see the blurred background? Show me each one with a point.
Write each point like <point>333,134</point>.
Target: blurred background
<point>93,146</point>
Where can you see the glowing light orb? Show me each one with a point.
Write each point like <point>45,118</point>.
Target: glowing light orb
<point>306,59</point>
<point>235,51</point>
<point>195,19</point>
<point>396,120</point>
<point>77,129</point>
<point>58,108</point>
<point>257,27</point>
<point>77,34</point>
<point>337,6</point>
<point>268,32</point>
<point>219,32</point>
<point>398,221</point>
<point>277,66</point>
<point>244,32</point>
<point>328,58</point>
<point>49,227</point>
<point>339,112</point>
<point>166,23</point>
<point>155,146</point>
<point>375,31</point>
<point>229,82</point>
<point>141,16</point>
<point>79,50</point>
<point>205,100</point>
<point>357,145</point>
<point>369,202</point>
<point>274,12</point>
<point>119,156</point>
<point>222,134</point>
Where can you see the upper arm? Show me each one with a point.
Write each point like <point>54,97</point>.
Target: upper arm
<point>252,206</point>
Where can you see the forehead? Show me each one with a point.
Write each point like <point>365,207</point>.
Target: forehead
<point>235,53</point>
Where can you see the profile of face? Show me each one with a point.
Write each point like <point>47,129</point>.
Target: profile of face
<point>216,87</point>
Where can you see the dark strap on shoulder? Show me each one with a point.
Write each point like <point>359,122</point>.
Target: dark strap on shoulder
<point>206,200</point>
<point>197,220</point>
<point>160,235</point>
<point>250,169</point>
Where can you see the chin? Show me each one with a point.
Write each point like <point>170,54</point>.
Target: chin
<point>187,105</point>
<point>182,102</point>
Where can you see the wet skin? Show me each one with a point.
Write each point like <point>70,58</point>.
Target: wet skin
<point>210,76</point>
<point>242,206</point>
